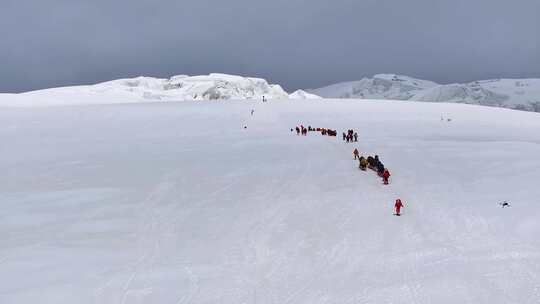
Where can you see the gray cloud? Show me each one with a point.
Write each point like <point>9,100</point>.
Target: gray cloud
<point>297,43</point>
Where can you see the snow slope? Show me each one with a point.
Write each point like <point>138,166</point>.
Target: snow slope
<point>301,94</point>
<point>141,89</point>
<point>178,203</point>
<point>381,86</point>
<point>521,94</point>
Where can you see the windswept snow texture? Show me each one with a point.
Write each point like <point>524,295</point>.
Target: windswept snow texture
<point>520,94</point>
<point>178,203</point>
<point>301,94</point>
<point>140,89</point>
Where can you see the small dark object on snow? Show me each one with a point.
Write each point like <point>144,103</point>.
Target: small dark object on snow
<point>504,204</point>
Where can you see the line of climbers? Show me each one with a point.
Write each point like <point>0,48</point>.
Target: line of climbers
<point>302,130</point>
<point>372,163</point>
<point>376,165</point>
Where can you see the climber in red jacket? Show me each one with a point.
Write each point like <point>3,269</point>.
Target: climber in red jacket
<point>398,206</point>
<point>386,176</point>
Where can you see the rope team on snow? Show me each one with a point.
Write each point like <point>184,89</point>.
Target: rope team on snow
<point>371,162</point>
<point>302,130</point>
<point>374,164</point>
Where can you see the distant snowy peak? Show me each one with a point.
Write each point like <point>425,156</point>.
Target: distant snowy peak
<point>144,89</point>
<point>207,87</point>
<point>381,86</point>
<point>466,93</point>
<point>406,81</point>
<point>301,94</point>
<point>522,94</point>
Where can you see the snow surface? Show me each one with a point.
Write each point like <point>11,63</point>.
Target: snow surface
<point>178,203</point>
<point>521,94</point>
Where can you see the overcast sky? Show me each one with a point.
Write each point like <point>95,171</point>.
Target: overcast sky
<point>296,43</point>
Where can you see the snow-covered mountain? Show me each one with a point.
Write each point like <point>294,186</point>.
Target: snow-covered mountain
<point>177,202</point>
<point>301,94</point>
<point>177,88</point>
<point>522,94</point>
<point>381,86</point>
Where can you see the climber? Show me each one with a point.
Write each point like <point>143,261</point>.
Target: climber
<point>386,176</point>
<point>398,207</point>
<point>356,154</point>
<point>363,163</point>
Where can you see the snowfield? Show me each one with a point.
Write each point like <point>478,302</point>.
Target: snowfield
<point>177,202</point>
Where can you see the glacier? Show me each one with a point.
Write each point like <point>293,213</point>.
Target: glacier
<point>177,202</point>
